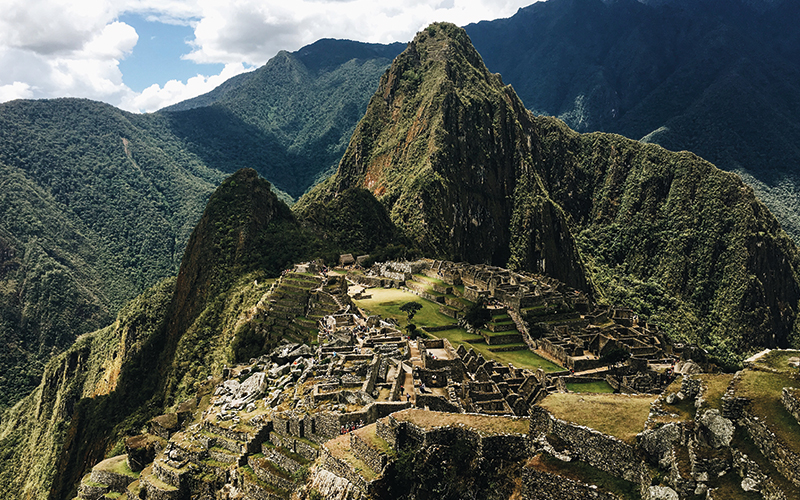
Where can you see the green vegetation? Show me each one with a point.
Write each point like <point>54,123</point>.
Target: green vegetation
<point>594,386</point>
<point>667,234</point>
<point>386,302</point>
<point>619,415</point>
<point>410,308</point>
<point>450,471</point>
<point>764,389</point>
<point>640,73</point>
<point>97,204</point>
<point>485,425</point>
<point>113,367</point>
<point>585,473</point>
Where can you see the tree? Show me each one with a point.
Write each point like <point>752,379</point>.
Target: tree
<point>478,315</point>
<point>411,308</point>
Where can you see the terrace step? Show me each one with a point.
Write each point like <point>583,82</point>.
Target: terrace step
<point>156,488</point>
<point>175,474</point>
<point>270,472</point>
<point>90,490</point>
<point>253,487</point>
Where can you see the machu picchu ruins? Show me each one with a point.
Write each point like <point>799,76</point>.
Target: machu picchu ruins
<point>334,409</point>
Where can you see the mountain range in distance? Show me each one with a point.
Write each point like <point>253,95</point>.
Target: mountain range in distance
<point>98,203</point>
<point>446,162</point>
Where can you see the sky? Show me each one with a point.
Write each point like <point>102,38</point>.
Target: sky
<point>142,55</point>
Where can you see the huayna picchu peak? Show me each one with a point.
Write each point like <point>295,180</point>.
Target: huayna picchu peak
<point>465,172</point>
<point>479,303</point>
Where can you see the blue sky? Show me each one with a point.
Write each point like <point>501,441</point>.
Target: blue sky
<point>142,55</point>
<point>156,58</point>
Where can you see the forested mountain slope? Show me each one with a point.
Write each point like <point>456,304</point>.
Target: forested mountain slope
<point>720,79</point>
<point>98,203</point>
<point>465,172</point>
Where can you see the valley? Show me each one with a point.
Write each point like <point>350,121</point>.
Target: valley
<point>341,416</point>
<point>478,302</point>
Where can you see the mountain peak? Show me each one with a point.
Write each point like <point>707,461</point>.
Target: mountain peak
<point>443,146</point>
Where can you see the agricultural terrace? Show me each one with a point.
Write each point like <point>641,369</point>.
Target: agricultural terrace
<point>483,424</point>
<point>619,415</point>
<point>386,302</point>
<point>764,390</point>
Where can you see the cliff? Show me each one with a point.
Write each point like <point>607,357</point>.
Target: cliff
<point>464,172</point>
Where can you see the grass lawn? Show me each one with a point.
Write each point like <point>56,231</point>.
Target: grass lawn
<point>619,415</point>
<point>600,387</point>
<point>715,387</point>
<point>386,302</point>
<point>521,359</point>
<point>764,389</point>
<point>779,360</point>
<point>427,279</point>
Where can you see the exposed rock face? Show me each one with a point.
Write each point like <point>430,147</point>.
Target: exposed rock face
<point>333,487</point>
<point>661,493</point>
<point>446,148</point>
<point>716,429</point>
<point>465,172</point>
<point>657,443</point>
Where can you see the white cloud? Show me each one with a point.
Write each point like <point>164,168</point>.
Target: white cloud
<point>16,90</point>
<point>54,48</point>
<point>156,97</point>
<point>252,31</point>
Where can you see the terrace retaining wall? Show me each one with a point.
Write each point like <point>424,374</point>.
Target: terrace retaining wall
<point>776,451</point>
<point>791,401</point>
<point>539,484</point>
<point>593,447</point>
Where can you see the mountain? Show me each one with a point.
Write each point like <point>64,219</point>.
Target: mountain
<point>98,203</point>
<point>161,348</point>
<point>465,172</point>
<point>719,79</point>
<point>667,233</point>
<point>291,119</point>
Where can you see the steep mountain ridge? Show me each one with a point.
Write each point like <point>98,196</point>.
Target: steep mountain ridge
<point>162,348</point>
<point>291,119</point>
<point>442,147</point>
<point>98,203</point>
<point>715,78</point>
<point>464,171</point>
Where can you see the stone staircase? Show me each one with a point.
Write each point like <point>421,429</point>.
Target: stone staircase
<point>202,459</point>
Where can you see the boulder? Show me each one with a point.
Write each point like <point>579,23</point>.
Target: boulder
<point>657,443</point>
<point>716,430</point>
<point>661,493</point>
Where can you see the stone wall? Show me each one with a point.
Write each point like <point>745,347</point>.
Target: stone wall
<point>510,338</point>
<point>323,426</point>
<point>754,478</point>
<point>537,484</point>
<point>498,446</point>
<point>779,455</point>
<point>265,474</point>
<point>435,403</point>
<point>791,401</point>
<point>593,447</point>
<point>374,459</point>
<point>117,482</point>
<point>342,469</point>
